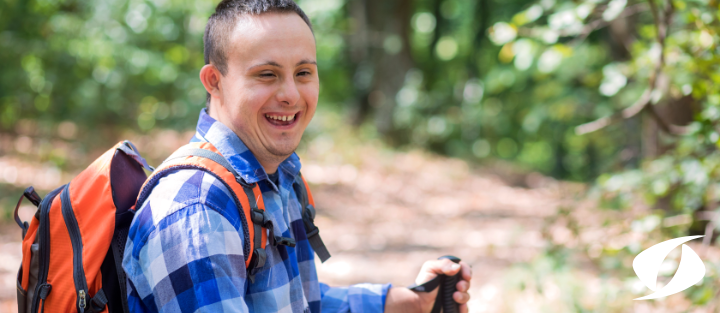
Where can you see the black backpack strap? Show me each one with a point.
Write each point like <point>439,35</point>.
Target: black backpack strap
<point>114,289</point>
<point>308,216</point>
<point>260,220</point>
<point>97,303</point>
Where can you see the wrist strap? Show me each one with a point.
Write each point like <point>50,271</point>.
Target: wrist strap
<point>429,286</point>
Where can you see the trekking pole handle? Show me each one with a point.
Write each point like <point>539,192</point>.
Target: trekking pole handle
<point>448,288</point>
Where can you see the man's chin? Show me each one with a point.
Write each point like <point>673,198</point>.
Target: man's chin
<point>282,151</point>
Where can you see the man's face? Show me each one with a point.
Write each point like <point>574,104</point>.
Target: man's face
<point>270,91</point>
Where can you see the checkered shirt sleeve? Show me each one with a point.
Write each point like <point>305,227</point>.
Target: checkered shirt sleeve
<point>355,298</point>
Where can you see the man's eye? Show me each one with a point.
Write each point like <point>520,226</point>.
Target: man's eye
<point>304,73</point>
<point>267,75</point>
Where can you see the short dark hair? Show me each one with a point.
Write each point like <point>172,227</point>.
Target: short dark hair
<point>221,24</point>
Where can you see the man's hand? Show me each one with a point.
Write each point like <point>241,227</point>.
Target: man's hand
<point>400,299</point>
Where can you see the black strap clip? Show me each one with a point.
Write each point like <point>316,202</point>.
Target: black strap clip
<point>285,241</point>
<point>44,291</point>
<point>257,262</point>
<point>258,217</point>
<point>31,195</point>
<point>98,302</point>
<point>262,219</point>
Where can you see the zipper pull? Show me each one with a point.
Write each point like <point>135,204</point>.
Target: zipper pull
<point>81,302</point>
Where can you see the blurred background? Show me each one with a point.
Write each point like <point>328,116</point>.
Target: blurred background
<point>545,142</point>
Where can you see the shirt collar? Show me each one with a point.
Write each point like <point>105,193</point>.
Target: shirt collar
<point>236,152</point>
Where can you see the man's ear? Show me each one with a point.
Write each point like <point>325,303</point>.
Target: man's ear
<point>210,78</point>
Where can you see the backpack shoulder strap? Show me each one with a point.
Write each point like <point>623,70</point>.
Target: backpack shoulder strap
<point>248,197</point>
<point>189,151</point>
<point>308,216</point>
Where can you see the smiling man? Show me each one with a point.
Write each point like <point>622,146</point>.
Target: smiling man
<point>185,247</point>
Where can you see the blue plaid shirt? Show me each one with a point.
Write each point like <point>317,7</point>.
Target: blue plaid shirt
<point>185,246</point>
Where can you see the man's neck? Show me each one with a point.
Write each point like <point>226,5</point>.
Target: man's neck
<point>269,168</point>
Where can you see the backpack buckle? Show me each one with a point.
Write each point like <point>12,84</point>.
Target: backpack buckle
<point>257,262</point>
<point>258,217</point>
<point>44,291</point>
<point>285,241</point>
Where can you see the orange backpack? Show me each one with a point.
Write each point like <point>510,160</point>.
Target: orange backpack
<point>73,247</point>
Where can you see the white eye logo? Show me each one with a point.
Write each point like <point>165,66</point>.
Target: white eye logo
<point>690,270</point>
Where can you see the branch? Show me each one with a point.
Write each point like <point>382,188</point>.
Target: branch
<point>656,15</point>
<point>629,112</point>
<point>712,218</point>
<point>639,105</point>
<point>596,124</point>
<point>601,23</point>
<point>588,28</point>
<point>662,23</point>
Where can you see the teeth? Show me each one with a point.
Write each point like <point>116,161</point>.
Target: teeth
<point>281,118</point>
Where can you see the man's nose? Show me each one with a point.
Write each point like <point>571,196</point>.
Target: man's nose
<point>288,93</point>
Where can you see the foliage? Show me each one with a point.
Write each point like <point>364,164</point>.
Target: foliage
<point>102,63</point>
<point>517,101</point>
<point>665,66</point>
<point>669,59</point>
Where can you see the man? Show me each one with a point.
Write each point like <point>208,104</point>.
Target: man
<point>184,250</point>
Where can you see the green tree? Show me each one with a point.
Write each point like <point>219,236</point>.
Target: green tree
<point>104,65</point>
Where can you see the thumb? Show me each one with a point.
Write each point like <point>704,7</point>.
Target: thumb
<point>432,269</point>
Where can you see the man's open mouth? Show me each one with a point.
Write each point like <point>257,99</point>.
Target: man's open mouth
<point>281,120</point>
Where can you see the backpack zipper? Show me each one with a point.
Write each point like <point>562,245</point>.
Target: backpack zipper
<point>77,245</point>
<point>81,301</point>
<point>44,241</point>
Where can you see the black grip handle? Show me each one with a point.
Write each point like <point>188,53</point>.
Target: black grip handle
<point>448,288</point>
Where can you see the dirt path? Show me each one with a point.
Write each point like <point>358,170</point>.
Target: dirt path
<point>383,224</point>
<point>384,215</point>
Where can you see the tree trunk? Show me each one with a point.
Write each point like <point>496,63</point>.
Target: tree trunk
<point>380,70</point>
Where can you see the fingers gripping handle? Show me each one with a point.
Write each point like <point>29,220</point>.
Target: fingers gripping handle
<point>448,288</point>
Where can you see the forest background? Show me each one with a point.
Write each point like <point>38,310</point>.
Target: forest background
<point>618,99</point>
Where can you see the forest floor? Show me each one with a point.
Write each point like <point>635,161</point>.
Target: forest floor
<point>382,213</point>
